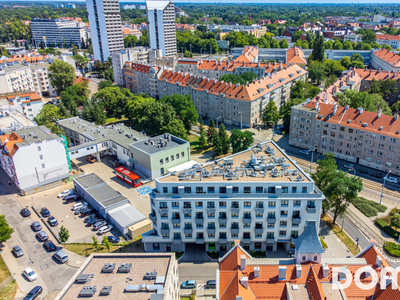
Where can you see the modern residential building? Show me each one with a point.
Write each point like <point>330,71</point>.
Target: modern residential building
<point>70,5</point>
<point>105,27</point>
<point>385,60</point>
<point>140,78</point>
<point>259,196</point>
<point>56,31</point>
<point>34,158</point>
<point>136,54</point>
<point>59,5</point>
<point>353,38</point>
<point>162,31</point>
<point>230,103</point>
<point>391,40</point>
<point>154,156</point>
<point>151,276</point>
<point>29,104</point>
<point>12,119</point>
<point>41,80</point>
<point>241,276</point>
<point>129,6</point>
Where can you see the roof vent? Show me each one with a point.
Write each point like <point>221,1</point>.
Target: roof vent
<point>380,127</point>
<point>282,272</point>
<point>364,124</point>
<point>349,121</point>
<point>325,270</point>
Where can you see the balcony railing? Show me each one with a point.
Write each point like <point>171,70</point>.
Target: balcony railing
<point>311,210</point>
<point>234,230</point>
<point>176,221</point>
<point>164,230</point>
<point>314,195</point>
<point>296,220</point>
<point>271,220</point>
<point>187,230</point>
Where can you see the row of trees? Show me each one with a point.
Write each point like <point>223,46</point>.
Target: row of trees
<point>133,41</point>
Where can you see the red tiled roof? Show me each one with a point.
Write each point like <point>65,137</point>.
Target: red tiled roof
<point>249,53</point>
<point>386,37</point>
<point>80,79</point>
<point>388,56</point>
<point>32,97</point>
<point>369,75</point>
<point>295,55</point>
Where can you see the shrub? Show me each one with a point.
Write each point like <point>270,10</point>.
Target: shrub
<point>391,249</point>
<point>323,243</point>
<point>213,254</point>
<point>368,207</point>
<point>258,254</point>
<point>178,254</point>
<point>386,228</point>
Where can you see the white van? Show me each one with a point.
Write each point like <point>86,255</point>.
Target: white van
<point>61,257</point>
<point>79,205</point>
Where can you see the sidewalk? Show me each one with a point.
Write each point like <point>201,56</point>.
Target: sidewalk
<point>335,246</point>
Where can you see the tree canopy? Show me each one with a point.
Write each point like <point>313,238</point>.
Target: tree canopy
<point>61,74</point>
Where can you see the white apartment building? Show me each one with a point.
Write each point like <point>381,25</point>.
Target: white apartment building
<point>353,38</point>
<point>29,104</point>
<point>33,158</point>
<point>105,27</point>
<point>56,31</point>
<point>41,80</point>
<point>391,40</point>
<point>162,30</point>
<point>259,196</point>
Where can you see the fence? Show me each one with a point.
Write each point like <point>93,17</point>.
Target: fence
<point>6,282</point>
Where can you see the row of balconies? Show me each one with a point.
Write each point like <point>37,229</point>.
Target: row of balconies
<point>224,240</point>
<point>310,210</point>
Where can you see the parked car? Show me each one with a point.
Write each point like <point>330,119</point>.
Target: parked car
<point>362,171</point>
<point>45,212</point>
<point>94,221</point>
<point>36,226</point>
<point>49,245</point>
<point>65,193</point>
<point>91,159</point>
<point>113,239</point>
<point>375,174</point>
<point>52,221</point>
<point>29,274</point>
<point>42,236</point>
<point>79,205</point>
<point>211,284</point>
<point>391,179</point>
<point>105,229</point>
<point>61,257</point>
<point>71,197</point>
<point>189,284</point>
<point>17,251</point>
<point>34,293</point>
<point>79,210</point>
<point>85,212</point>
<point>98,225</point>
<point>306,152</point>
<point>25,212</point>
<point>349,166</point>
<point>89,217</point>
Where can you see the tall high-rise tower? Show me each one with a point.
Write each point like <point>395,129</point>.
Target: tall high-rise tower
<point>105,27</point>
<point>162,30</point>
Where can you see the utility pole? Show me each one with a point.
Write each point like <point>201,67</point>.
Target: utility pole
<point>383,185</point>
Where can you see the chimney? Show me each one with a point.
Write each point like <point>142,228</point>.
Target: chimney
<point>325,270</point>
<point>368,270</point>
<point>242,262</point>
<point>298,270</point>
<point>378,261</point>
<point>316,105</point>
<point>237,243</point>
<point>342,272</point>
<point>280,66</point>
<point>307,100</point>
<point>335,109</point>
<point>282,272</point>
<point>239,298</point>
<point>379,112</point>
<point>256,272</point>
<point>361,110</point>
<point>269,65</point>
<point>244,280</point>
<point>395,117</point>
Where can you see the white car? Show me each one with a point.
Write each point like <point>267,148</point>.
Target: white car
<point>306,152</point>
<point>29,274</point>
<point>350,166</point>
<point>105,229</point>
<point>391,179</point>
<point>65,193</point>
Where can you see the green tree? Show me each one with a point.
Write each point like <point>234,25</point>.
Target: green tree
<point>62,75</point>
<point>202,138</point>
<point>328,45</point>
<point>316,71</point>
<point>94,112</point>
<point>305,44</point>
<point>369,102</point>
<point>80,60</point>
<point>357,57</point>
<point>223,139</point>
<point>275,44</point>
<point>345,62</point>
<point>216,143</point>
<point>5,229</point>
<point>16,44</point>
<point>77,93</point>
<point>240,140</point>
<point>49,113</point>
<point>326,172</point>
<point>105,83</point>
<point>95,242</point>
<point>347,45</point>
<point>114,100</point>
<point>187,54</point>
<point>330,80</point>
<point>385,88</point>
<point>387,47</point>
<point>368,36</point>
<point>333,67</point>
<point>318,53</point>
<point>109,75</point>
<point>395,221</point>
<point>341,191</point>
<point>63,234</point>
<point>177,128</point>
<point>106,243</point>
<point>283,44</point>
<point>184,108</point>
<point>337,45</point>
<point>270,113</point>
<point>210,132</point>
<point>297,90</point>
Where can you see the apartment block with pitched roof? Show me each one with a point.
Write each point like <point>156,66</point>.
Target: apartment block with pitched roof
<point>385,60</point>
<point>259,196</point>
<point>30,104</point>
<point>140,78</point>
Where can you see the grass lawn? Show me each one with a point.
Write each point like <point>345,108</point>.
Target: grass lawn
<point>350,244</point>
<point>85,249</point>
<point>4,272</point>
<point>195,147</point>
<point>10,290</point>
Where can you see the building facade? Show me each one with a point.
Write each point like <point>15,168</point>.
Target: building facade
<point>29,104</point>
<point>258,196</point>
<point>57,31</point>
<point>105,27</point>
<point>391,40</point>
<point>140,78</point>
<point>353,38</point>
<point>385,60</point>
<point>162,31</point>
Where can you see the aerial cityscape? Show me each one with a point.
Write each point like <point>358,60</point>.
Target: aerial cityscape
<point>182,150</point>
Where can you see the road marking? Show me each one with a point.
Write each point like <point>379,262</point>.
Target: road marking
<point>201,286</point>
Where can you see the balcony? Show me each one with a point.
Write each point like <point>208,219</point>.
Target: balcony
<point>222,221</point>
<point>187,230</point>
<point>259,230</point>
<point>163,210</point>
<point>222,240</point>
<point>235,210</point>
<point>187,210</point>
<point>176,221</point>
<point>199,240</point>
<point>270,240</point>
<point>246,218</point>
<point>199,220</point>
<point>177,241</point>
<point>259,209</point>
<point>234,230</point>
<point>296,220</point>
<point>153,218</point>
<point>271,220</point>
<point>211,210</point>
<point>311,210</point>
<point>210,230</point>
<point>246,240</point>
<point>164,230</point>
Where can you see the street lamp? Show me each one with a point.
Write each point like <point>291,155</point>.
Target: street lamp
<point>241,126</point>
<point>312,158</point>
<point>217,120</point>
<point>383,185</point>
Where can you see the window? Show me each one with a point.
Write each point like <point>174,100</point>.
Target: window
<point>294,234</point>
<point>222,189</point>
<point>222,204</point>
<point>199,189</point>
<point>165,189</point>
<point>43,166</point>
<point>304,189</point>
<point>311,203</point>
<point>175,205</point>
<point>296,203</point>
<point>259,189</point>
<point>183,154</point>
<point>199,204</point>
<point>166,160</point>
<point>235,215</point>
<point>177,156</point>
<point>259,215</point>
<point>282,233</point>
<point>235,204</point>
<point>247,204</point>
<point>294,189</point>
<point>211,189</point>
<point>41,157</point>
<point>271,203</point>
<point>341,128</point>
<point>285,190</point>
<point>39,148</point>
<point>175,190</point>
<point>284,213</point>
<point>271,190</point>
<point>284,202</point>
<point>270,235</point>
<point>283,224</point>
<point>246,189</point>
<point>188,189</point>
<point>187,205</point>
<point>259,204</point>
<point>161,161</point>
<point>172,158</point>
<point>210,204</point>
<point>270,225</point>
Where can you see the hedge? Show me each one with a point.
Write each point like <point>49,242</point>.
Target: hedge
<point>323,243</point>
<point>386,228</point>
<point>391,249</point>
<point>368,207</point>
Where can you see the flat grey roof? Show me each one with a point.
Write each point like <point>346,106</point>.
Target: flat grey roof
<point>12,68</point>
<point>100,190</point>
<point>158,143</point>
<point>36,134</point>
<point>127,215</point>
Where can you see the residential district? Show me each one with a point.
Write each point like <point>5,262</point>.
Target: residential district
<point>170,151</point>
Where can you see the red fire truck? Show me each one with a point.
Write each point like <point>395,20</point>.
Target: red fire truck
<point>128,176</point>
